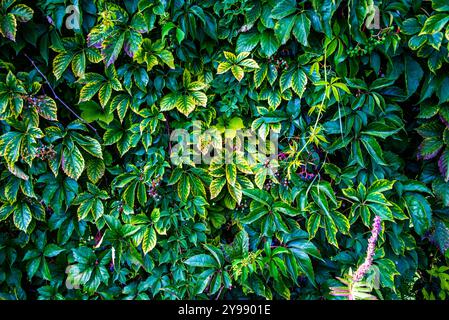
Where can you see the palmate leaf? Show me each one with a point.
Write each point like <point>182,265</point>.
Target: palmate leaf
<point>185,104</point>
<point>144,225</point>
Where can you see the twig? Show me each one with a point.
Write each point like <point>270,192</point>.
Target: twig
<point>219,293</point>
<point>167,125</point>
<point>57,97</point>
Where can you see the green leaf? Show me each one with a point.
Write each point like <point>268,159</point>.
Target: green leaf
<point>420,211</point>
<point>237,72</point>
<point>231,173</point>
<point>22,12</point>
<point>184,188</point>
<point>61,62</point>
<point>72,162</point>
<point>286,209</point>
<point>313,224</point>
<point>382,211</point>
<point>169,101</point>
<point>440,5</point>
<point>299,82</point>
<point>52,250</point>
<point>413,75</point>
<point>283,9</point>
<point>8,26</point>
<point>301,29</point>
<point>387,270</point>
<point>95,169</point>
<point>374,149</point>
<point>260,196</point>
<point>381,185</point>
<point>435,23</point>
<point>269,44</point>
<point>185,104</point>
<point>149,240</point>
<point>331,230</point>
<point>111,48</point>
<point>22,216</point>
<point>216,186</point>
<point>246,42</point>
<point>283,29</point>
<point>202,260</point>
<point>47,109</point>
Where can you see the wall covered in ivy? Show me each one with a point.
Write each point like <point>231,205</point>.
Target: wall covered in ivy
<point>110,112</point>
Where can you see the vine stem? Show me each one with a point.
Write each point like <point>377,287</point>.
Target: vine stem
<point>219,293</point>
<point>320,110</point>
<point>167,126</point>
<point>56,96</point>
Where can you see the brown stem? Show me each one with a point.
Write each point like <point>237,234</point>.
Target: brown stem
<point>167,126</point>
<point>56,96</point>
<point>219,293</point>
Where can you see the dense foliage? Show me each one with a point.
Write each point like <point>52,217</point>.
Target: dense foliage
<point>96,201</point>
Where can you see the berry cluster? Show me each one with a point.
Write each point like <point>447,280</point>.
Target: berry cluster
<point>45,152</point>
<point>279,62</point>
<point>268,184</point>
<point>282,156</point>
<point>373,42</point>
<point>152,191</point>
<point>35,102</point>
<point>304,174</point>
<point>242,206</point>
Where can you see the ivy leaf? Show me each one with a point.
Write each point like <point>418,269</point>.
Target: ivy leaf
<point>72,162</point>
<point>420,211</point>
<point>149,240</point>
<point>22,12</point>
<point>374,149</point>
<point>237,71</point>
<point>434,23</point>
<point>231,173</point>
<point>184,188</point>
<point>169,101</point>
<point>260,196</point>
<point>22,216</point>
<point>185,104</point>
<point>8,26</point>
<point>216,186</point>
<point>268,43</point>
<point>202,260</point>
<point>246,42</point>
<point>47,109</point>
<point>111,48</point>
<point>301,29</point>
<point>61,62</point>
<point>299,82</point>
<point>95,169</point>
